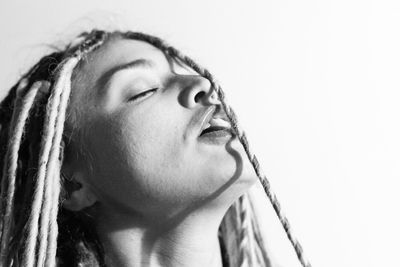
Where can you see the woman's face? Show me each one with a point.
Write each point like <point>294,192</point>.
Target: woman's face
<point>140,122</point>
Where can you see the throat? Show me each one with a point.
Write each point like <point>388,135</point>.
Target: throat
<point>190,243</point>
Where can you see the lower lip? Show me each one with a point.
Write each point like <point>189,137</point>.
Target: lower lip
<point>216,137</point>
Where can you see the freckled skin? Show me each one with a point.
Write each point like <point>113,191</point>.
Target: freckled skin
<point>142,160</point>
<point>147,160</point>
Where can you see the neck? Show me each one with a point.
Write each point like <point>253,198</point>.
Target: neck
<point>193,241</point>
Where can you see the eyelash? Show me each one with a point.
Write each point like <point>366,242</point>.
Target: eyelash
<point>142,94</point>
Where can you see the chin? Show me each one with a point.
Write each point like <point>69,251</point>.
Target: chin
<point>243,168</point>
<point>238,186</point>
<point>230,176</point>
<point>247,180</point>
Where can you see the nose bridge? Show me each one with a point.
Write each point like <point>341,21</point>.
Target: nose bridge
<point>196,90</point>
<point>200,82</point>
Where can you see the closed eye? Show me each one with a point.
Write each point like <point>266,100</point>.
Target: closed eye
<point>142,94</point>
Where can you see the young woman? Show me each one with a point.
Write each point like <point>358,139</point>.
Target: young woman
<point>117,151</point>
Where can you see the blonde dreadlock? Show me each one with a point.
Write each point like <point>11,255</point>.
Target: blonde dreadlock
<point>34,236</point>
<point>45,198</point>
<point>21,111</point>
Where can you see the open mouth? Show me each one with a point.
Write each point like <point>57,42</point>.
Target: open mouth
<point>217,127</point>
<point>212,129</point>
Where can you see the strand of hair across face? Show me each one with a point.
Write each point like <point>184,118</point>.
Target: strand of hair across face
<point>238,131</point>
<point>263,179</point>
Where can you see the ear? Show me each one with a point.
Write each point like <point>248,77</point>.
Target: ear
<point>80,195</point>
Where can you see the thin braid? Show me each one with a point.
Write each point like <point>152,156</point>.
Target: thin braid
<point>238,131</point>
<point>12,163</point>
<point>230,234</point>
<point>256,249</point>
<point>53,231</point>
<point>245,246</point>
<point>238,231</point>
<point>263,179</point>
<point>260,244</point>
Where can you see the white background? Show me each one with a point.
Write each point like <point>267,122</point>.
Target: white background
<point>315,84</point>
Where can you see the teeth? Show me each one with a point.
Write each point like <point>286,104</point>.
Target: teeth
<point>219,122</point>
<point>216,124</point>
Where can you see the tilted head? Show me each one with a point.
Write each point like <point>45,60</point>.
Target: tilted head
<point>117,122</point>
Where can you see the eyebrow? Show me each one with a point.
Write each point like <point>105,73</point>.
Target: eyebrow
<point>104,81</point>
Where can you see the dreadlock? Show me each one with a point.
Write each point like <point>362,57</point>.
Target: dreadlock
<point>32,118</point>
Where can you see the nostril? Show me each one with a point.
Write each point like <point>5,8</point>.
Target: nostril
<point>199,96</point>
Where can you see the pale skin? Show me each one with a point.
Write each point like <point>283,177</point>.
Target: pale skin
<point>158,191</point>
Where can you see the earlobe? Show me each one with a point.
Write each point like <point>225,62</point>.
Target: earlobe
<point>79,197</point>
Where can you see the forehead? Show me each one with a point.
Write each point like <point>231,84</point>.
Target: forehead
<point>88,75</point>
<point>117,52</point>
<point>113,53</point>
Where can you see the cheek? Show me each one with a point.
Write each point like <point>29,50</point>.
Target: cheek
<point>142,161</point>
<point>139,160</point>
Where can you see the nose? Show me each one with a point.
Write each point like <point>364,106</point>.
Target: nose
<point>197,91</point>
